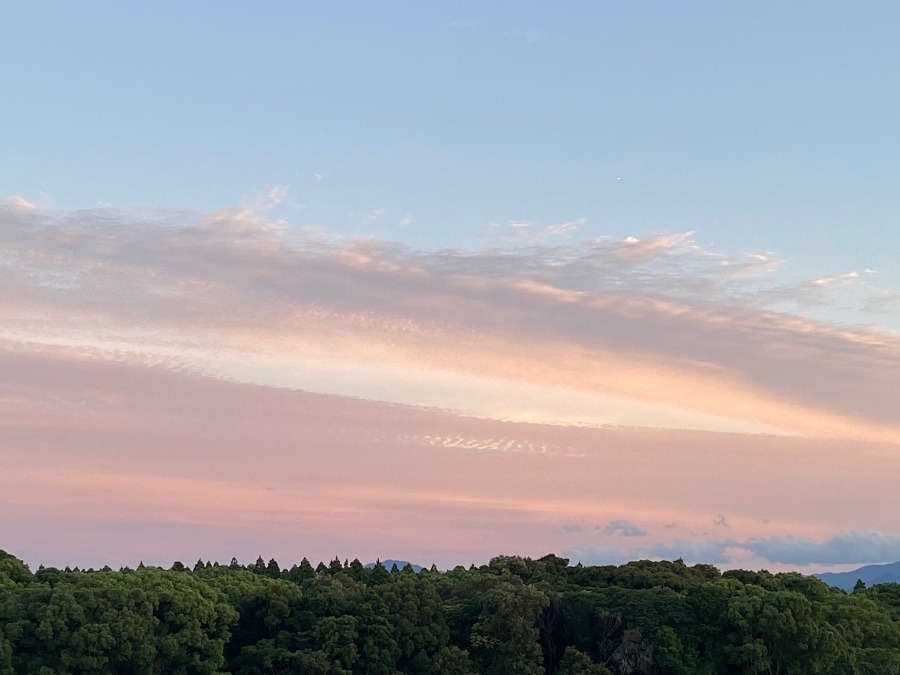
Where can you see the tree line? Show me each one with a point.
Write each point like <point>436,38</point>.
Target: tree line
<point>512,616</point>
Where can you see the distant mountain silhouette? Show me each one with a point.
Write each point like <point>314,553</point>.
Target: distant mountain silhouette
<point>870,574</point>
<point>388,564</point>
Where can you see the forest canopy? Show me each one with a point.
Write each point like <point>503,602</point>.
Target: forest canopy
<point>513,615</point>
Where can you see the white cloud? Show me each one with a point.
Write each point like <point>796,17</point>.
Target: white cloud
<point>252,205</point>
<point>277,194</point>
<point>839,279</point>
<point>623,528</point>
<point>521,232</point>
<point>19,204</point>
<point>565,229</point>
<point>636,249</point>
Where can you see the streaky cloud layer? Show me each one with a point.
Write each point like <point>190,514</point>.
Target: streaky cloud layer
<point>115,445</point>
<point>232,378</point>
<point>235,281</point>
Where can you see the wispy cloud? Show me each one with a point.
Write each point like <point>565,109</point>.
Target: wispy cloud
<point>850,548</point>
<point>640,250</point>
<point>461,24</point>
<point>144,351</point>
<point>845,548</point>
<point>623,528</point>
<point>251,204</point>
<point>277,194</point>
<point>113,438</point>
<point>522,233</point>
<point>839,279</point>
<point>604,328</point>
<point>19,204</point>
<point>565,229</point>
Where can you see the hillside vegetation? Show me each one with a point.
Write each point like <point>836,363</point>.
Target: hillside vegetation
<point>512,616</point>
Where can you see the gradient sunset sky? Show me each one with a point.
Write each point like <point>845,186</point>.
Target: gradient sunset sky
<point>440,281</point>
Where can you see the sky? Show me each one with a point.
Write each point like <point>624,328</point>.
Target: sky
<point>444,281</point>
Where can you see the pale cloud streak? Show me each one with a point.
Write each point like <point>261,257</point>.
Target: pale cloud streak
<point>565,229</point>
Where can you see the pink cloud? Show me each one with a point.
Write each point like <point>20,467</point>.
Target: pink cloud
<point>125,448</point>
<point>152,367</point>
<point>234,282</point>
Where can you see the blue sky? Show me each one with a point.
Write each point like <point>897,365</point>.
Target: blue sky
<point>762,127</point>
<point>594,278</point>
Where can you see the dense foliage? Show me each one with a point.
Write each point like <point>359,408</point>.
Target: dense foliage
<point>512,616</point>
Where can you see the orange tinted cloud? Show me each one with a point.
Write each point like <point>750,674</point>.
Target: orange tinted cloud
<point>232,282</point>
<point>166,451</point>
<point>153,368</point>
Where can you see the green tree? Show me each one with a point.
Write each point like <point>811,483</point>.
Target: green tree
<point>505,637</point>
<point>417,619</point>
<point>575,662</point>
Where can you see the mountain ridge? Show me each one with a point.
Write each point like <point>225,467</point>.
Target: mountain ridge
<point>869,574</point>
<point>389,564</point>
